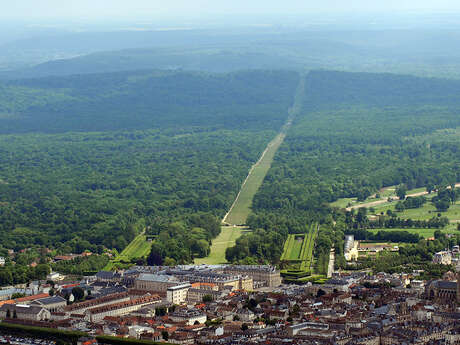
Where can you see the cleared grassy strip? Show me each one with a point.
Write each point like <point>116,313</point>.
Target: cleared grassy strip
<point>242,206</point>
<point>295,249</point>
<point>226,238</point>
<point>139,247</point>
<point>307,256</point>
<point>286,247</point>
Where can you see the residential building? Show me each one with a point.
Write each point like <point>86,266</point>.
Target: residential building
<point>121,308</point>
<point>190,316</point>
<point>53,304</point>
<point>24,312</point>
<point>177,294</point>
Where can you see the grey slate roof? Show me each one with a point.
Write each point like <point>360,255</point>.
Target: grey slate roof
<point>50,300</point>
<point>442,284</point>
<point>23,309</point>
<point>157,278</point>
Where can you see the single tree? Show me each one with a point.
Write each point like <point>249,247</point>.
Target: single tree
<point>78,293</point>
<point>401,191</point>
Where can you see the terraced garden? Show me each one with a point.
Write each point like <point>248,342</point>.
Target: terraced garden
<point>138,248</point>
<point>297,257</point>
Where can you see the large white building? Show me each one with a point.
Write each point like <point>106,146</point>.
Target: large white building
<point>178,294</point>
<point>190,316</point>
<point>442,258</point>
<point>155,282</point>
<point>350,248</point>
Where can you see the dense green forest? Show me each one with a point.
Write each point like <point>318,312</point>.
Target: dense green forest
<point>145,100</point>
<point>57,188</point>
<point>126,152</point>
<point>87,162</point>
<point>357,133</point>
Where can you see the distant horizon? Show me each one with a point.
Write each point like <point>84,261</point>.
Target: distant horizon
<point>235,19</point>
<point>110,10</point>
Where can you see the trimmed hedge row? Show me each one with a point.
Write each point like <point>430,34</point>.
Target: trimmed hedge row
<point>70,336</point>
<point>105,339</point>
<point>43,332</point>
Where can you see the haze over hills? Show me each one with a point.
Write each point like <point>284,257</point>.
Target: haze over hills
<point>426,52</point>
<point>147,99</point>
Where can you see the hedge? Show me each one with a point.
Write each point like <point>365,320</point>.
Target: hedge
<point>71,336</point>
<point>105,339</point>
<point>54,333</point>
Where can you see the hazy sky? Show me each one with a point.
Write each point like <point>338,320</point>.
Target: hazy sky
<point>52,9</point>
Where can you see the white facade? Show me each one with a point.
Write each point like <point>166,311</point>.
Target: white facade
<point>443,258</point>
<point>189,316</point>
<point>177,294</point>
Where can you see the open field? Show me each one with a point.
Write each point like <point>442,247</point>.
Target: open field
<point>426,233</point>
<point>226,238</point>
<point>425,212</point>
<point>384,193</point>
<point>138,248</point>
<point>382,201</point>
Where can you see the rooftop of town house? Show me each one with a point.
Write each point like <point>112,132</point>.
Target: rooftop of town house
<point>94,302</point>
<point>120,305</point>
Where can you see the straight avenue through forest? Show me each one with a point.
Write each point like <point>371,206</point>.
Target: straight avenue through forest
<point>234,222</point>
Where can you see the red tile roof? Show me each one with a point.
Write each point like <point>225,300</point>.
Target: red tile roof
<point>25,299</point>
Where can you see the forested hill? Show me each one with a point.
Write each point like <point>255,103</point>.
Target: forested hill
<point>335,89</point>
<point>146,99</point>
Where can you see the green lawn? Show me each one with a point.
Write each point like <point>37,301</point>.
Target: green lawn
<point>309,245</point>
<point>293,252</point>
<point>297,258</point>
<point>426,233</point>
<point>344,202</point>
<point>139,247</point>
<point>383,193</point>
<point>242,206</point>
<point>425,212</point>
<point>226,238</point>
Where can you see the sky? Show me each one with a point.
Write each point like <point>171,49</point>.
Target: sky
<point>78,9</point>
